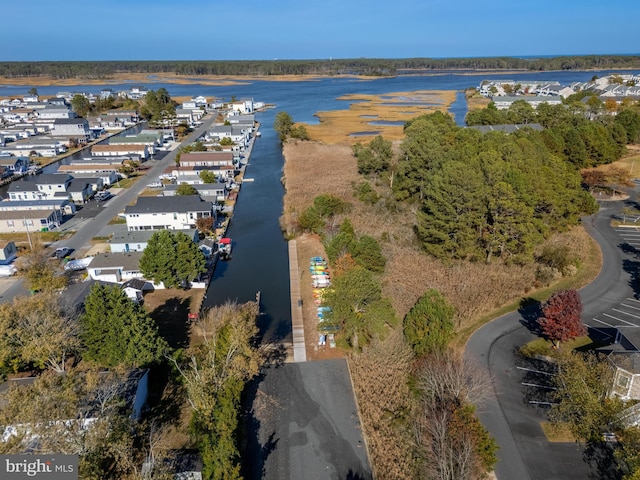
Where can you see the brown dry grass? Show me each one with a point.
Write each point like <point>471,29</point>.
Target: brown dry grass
<point>380,382</point>
<point>337,126</point>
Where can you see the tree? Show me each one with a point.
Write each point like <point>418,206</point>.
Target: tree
<point>283,125</point>
<point>215,368</point>
<point>80,105</point>
<point>78,413</point>
<point>358,308</point>
<point>300,132</point>
<point>41,330</point>
<point>40,272</point>
<point>205,225</point>
<point>186,189</point>
<point>207,176</point>
<point>118,331</point>
<point>581,399</point>
<point>451,443</point>
<point>172,258</point>
<point>428,326</point>
<point>375,158</point>
<point>33,91</point>
<point>560,320</point>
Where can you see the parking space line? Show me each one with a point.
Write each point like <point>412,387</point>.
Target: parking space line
<point>604,323</point>
<point>534,371</point>
<point>626,313</point>
<point>537,386</point>
<point>619,319</point>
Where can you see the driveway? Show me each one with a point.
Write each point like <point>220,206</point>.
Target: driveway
<point>511,412</point>
<point>304,424</point>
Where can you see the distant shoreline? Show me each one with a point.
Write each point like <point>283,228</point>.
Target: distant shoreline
<point>229,80</point>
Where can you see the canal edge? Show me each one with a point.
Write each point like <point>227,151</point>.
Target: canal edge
<point>297,323</point>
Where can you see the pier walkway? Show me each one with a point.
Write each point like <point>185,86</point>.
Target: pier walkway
<point>297,323</point>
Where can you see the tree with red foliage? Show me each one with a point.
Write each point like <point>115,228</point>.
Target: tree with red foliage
<point>561,317</point>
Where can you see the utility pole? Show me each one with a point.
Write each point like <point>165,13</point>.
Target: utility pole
<point>26,226</point>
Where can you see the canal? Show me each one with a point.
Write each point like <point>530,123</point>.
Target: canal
<point>259,260</point>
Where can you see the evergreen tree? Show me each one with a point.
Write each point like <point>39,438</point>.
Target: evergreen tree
<point>171,258</point>
<point>117,331</point>
<point>428,327</point>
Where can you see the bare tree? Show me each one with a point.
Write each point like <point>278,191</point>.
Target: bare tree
<point>449,376</point>
<point>41,330</point>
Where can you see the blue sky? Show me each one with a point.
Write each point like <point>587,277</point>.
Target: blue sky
<point>303,29</point>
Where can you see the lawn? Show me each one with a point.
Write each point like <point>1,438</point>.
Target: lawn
<point>169,308</point>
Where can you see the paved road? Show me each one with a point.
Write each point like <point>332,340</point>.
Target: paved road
<point>91,220</point>
<point>512,420</point>
<point>305,425</point>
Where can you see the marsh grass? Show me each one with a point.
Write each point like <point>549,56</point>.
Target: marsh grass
<point>337,126</point>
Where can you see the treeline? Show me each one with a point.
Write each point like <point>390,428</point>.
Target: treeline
<point>583,133</point>
<point>360,66</point>
<point>482,196</point>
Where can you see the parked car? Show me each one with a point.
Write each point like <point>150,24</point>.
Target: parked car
<point>62,252</point>
<point>102,196</point>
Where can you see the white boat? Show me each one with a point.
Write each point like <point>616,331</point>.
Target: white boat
<point>79,264</point>
<point>7,270</point>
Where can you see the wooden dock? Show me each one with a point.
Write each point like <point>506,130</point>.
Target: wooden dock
<point>297,323</point>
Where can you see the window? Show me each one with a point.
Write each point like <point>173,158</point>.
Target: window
<point>10,223</point>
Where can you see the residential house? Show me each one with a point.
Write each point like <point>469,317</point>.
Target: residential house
<point>115,267</point>
<point>29,220</point>
<point>107,175</point>
<point>503,103</point>
<point>82,189</point>
<point>172,213</point>
<point>115,119</point>
<point>135,288</point>
<point>14,164</point>
<point>31,98</point>
<point>185,116</point>
<point>167,134</point>
<point>43,186</point>
<point>64,205</point>
<point>52,112</point>
<point>242,106</point>
<point>136,93</point>
<point>181,174</point>
<point>120,149</point>
<point>207,159</point>
<point>106,93</point>
<point>152,141</point>
<point>137,240</point>
<point>76,128</point>
<point>245,121</point>
<point>40,146</point>
<point>211,192</point>
<point>237,134</point>
<point>8,252</point>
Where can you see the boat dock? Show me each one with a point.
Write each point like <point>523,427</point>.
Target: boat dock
<point>297,323</point>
